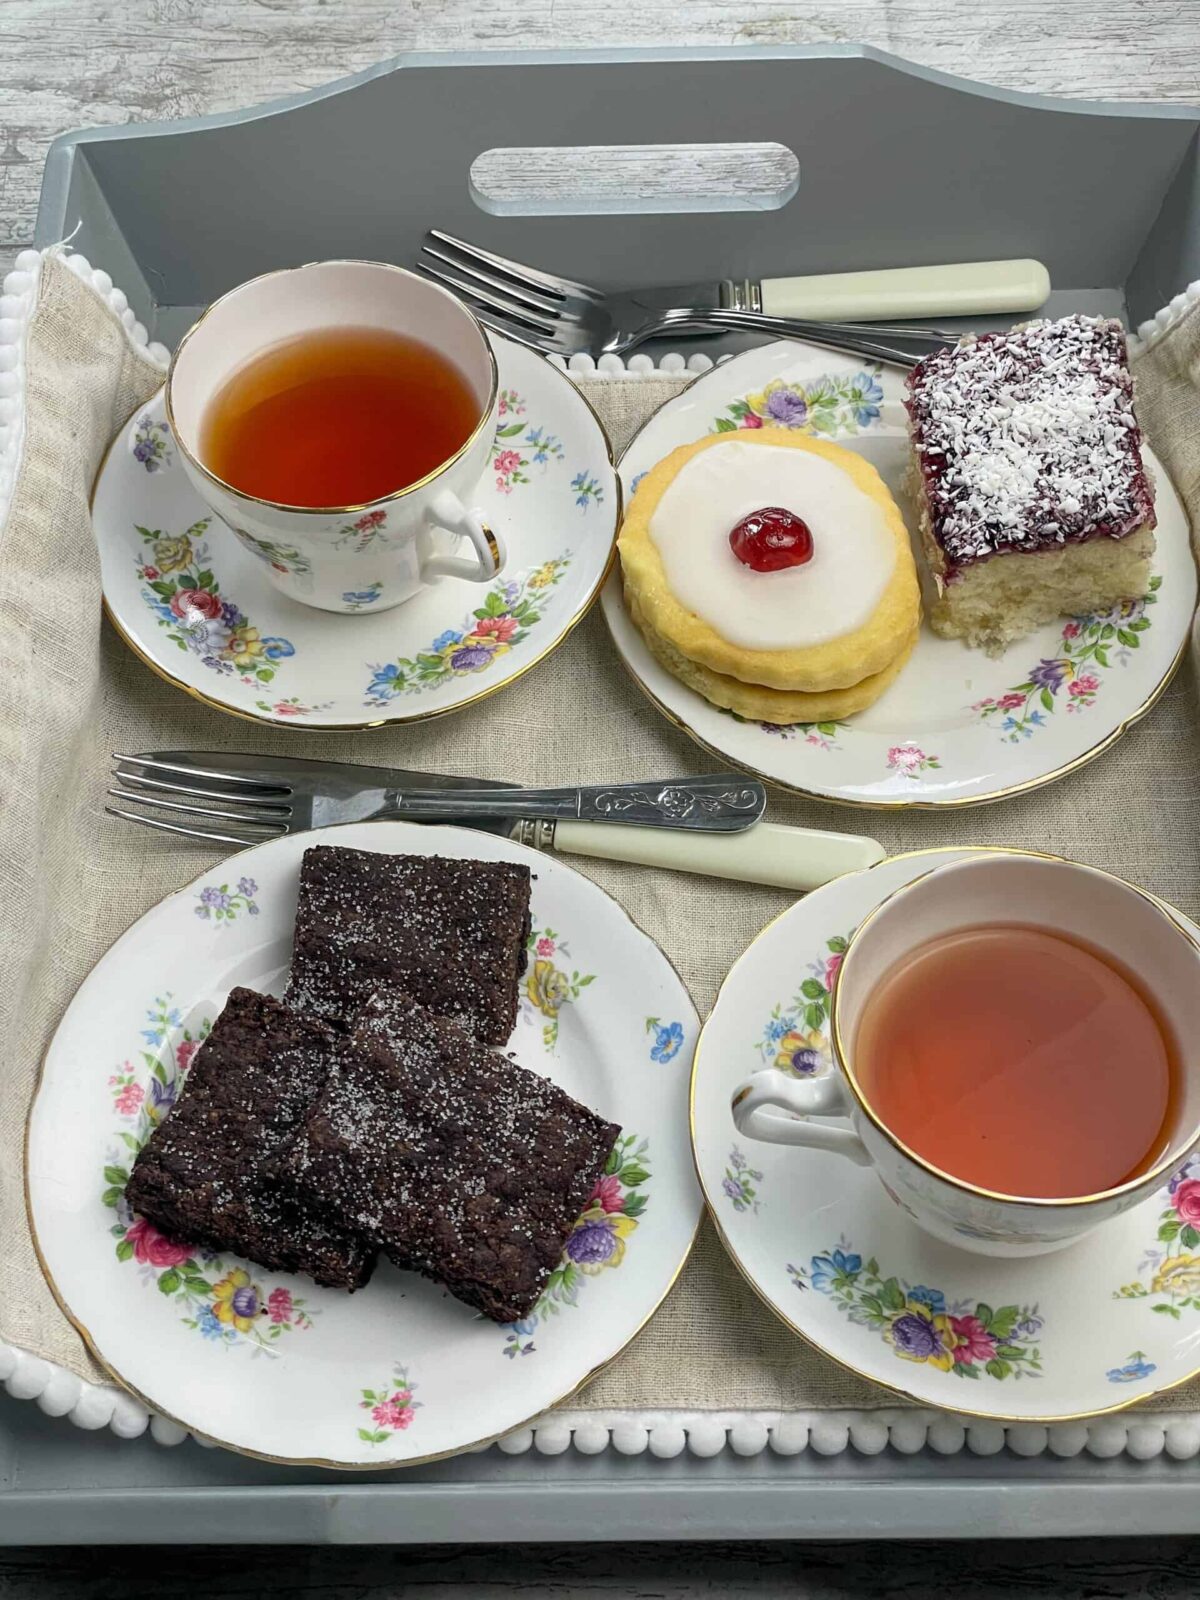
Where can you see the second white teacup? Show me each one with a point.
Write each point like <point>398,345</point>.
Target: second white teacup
<point>997,889</point>
<point>383,551</point>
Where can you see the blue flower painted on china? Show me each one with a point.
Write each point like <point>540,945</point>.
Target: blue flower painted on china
<point>1136,1367</point>
<point>668,1039</point>
<point>587,490</point>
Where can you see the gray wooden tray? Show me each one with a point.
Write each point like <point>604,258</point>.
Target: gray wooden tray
<point>898,166</point>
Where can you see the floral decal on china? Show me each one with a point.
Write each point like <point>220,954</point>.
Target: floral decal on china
<point>597,1241</point>
<point>360,599</point>
<point>1071,679</point>
<point>502,623</point>
<point>739,1182</point>
<point>293,706</point>
<point>1136,1366</point>
<point>151,443</point>
<point>910,761</point>
<point>216,1298</point>
<point>1169,1273</point>
<point>283,557</point>
<point>181,589</point>
<point>518,445</point>
<point>587,490</point>
<point>831,404</point>
<point>362,533</point>
<point>550,982</point>
<point>667,1040</point>
<point>392,1407</point>
<point>966,1337</point>
<point>220,903</point>
<point>794,1039</point>
<point>821,735</point>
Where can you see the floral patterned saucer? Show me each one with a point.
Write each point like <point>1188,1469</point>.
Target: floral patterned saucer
<point>399,1372</point>
<point>195,604</point>
<point>1099,1325</point>
<point>957,726</point>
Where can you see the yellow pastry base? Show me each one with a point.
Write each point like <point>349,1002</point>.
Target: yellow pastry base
<point>839,663</point>
<point>757,703</point>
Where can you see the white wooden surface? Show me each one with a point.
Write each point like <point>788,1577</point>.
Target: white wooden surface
<point>71,63</point>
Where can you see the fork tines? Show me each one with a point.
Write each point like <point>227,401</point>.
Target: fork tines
<point>224,807</point>
<point>527,305</point>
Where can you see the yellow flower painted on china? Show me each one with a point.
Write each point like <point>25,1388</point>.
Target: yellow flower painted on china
<point>802,1052</point>
<point>237,1301</point>
<point>547,988</point>
<point>173,555</point>
<point>245,646</point>
<point>544,576</point>
<point>1177,1275</point>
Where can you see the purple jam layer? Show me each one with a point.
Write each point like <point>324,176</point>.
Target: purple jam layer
<point>1028,441</point>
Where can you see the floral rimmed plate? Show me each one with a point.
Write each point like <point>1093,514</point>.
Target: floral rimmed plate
<point>1096,1326</point>
<point>399,1372</point>
<point>957,726</point>
<point>196,604</point>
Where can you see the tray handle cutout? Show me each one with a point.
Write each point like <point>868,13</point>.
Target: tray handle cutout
<point>623,179</point>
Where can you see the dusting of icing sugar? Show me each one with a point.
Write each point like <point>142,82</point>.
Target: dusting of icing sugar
<point>833,593</point>
<point>1028,440</point>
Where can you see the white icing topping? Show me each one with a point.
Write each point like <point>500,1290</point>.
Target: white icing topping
<point>833,594</point>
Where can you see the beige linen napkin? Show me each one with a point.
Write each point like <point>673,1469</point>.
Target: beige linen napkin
<point>71,879</point>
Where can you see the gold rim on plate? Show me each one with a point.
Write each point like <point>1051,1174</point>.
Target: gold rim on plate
<point>572,622</point>
<point>852,802</point>
<point>394,1463</point>
<point>734,1254</point>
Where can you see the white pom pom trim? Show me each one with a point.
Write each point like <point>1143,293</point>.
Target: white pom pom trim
<point>1151,331</point>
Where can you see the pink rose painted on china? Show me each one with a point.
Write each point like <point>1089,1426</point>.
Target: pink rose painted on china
<point>154,1249</point>
<point>1186,1200</point>
<point>393,1408</point>
<point>609,1195</point>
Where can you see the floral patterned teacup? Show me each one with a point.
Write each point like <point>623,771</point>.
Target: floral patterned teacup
<point>351,558</point>
<point>999,888</point>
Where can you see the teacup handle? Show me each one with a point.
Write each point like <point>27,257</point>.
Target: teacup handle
<point>769,1091</point>
<point>448,513</point>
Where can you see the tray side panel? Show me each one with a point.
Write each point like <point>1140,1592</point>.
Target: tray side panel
<point>897,167</point>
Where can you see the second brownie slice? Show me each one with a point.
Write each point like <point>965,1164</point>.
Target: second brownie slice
<point>451,933</point>
<point>205,1175</point>
<point>455,1160</point>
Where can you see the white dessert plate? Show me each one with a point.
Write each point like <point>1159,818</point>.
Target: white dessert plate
<point>551,492</point>
<point>957,726</point>
<point>1099,1325</point>
<point>398,1372</point>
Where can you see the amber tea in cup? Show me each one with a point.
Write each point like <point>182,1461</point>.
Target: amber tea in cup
<point>1020,1061</point>
<point>337,416</point>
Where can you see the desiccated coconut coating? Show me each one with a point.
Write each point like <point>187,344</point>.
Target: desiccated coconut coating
<point>451,932</point>
<point>1027,440</point>
<point>204,1176</point>
<point>452,1158</point>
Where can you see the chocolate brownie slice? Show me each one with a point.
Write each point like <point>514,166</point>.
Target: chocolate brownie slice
<point>455,1160</point>
<point>204,1174</point>
<point>451,933</point>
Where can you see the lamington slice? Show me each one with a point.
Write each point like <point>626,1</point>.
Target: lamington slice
<point>451,933</point>
<point>455,1160</point>
<point>1033,498</point>
<point>204,1176</point>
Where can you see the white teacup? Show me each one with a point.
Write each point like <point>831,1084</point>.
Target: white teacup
<point>1044,892</point>
<point>344,558</point>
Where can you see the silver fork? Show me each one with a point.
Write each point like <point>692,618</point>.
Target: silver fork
<point>565,317</point>
<point>221,803</point>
